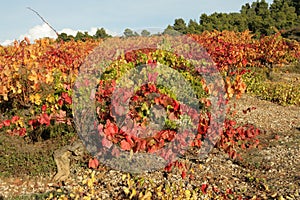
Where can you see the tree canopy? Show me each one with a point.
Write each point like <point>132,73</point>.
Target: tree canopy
<point>83,36</point>
<point>145,33</point>
<point>130,33</point>
<point>258,17</point>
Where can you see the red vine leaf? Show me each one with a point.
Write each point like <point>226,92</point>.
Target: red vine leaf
<point>93,163</point>
<point>44,119</point>
<point>204,188</point>
<point>125,145</point>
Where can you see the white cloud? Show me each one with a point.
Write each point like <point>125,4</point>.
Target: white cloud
<point>41,31</point>
<point>7,42</point>
<point>92,31</point>
<point>68,31</point>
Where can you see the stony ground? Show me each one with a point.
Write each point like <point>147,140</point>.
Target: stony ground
<point>270,172</point>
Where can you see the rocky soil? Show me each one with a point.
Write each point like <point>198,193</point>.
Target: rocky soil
<point>269,172</point>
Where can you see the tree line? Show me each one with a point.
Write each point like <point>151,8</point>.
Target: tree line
<point>259,17</point>
<point>100,33</point>
<point>83,36</point>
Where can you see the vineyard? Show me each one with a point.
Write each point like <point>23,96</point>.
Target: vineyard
<point>40,80</point>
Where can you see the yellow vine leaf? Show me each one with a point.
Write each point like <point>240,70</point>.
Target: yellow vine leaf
<point>126,190</point>
<point>49,78</point>
<point>19,86</point>
<point>64,77</point>
<point>33,76</point>
<point>124,177</point>
<point>147,196</point>
<point>36,99</point>
<point>7,72</point>
<point>34,87</point>
<point>16,67</point>
<point>13,89</point>
<point>187,194</point>
<point>20,122</point>
<point>50,98</point>
<point>90,183</point>
<point>3,92</point>
<point>133,193</point>
<point>5,97</point>
<point>33,57</point>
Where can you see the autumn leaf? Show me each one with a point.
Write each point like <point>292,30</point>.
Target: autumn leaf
<point>169,167</point>
<point>49,78</point>
<point>27,40</point>
<point>140,145</point>
<point>22,132</point>
<point>60,102</point>
<point>244,62</point>
<point>106,143</point>
<point>50,98</point>
<point>93,163</point>
<point>6,122</point>
<point>14,119</point>
<point>35,98</point>
<point>44,108</point>
<point>183,174</point>
<point>33,76</point>
<point>66,97</point>
<point>32,121</point>
<point>44,119</point>
<point>204,188</point>
<point>110,128</point>
<point>233,154</point>
<point>172,116</point>
<point>125,145</point>
<point>61,116</point>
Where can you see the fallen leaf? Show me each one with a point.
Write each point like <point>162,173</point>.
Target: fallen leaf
<point>125,145</point>
<point>93,163</point>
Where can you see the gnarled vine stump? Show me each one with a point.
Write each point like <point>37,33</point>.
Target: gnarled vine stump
<point>63,156</point>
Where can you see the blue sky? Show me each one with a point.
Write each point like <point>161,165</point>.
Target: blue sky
<point>114,15</point>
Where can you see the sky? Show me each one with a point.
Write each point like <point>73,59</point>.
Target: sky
<point>114,15</point>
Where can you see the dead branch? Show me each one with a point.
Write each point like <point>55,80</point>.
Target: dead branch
<point>43,20</point>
